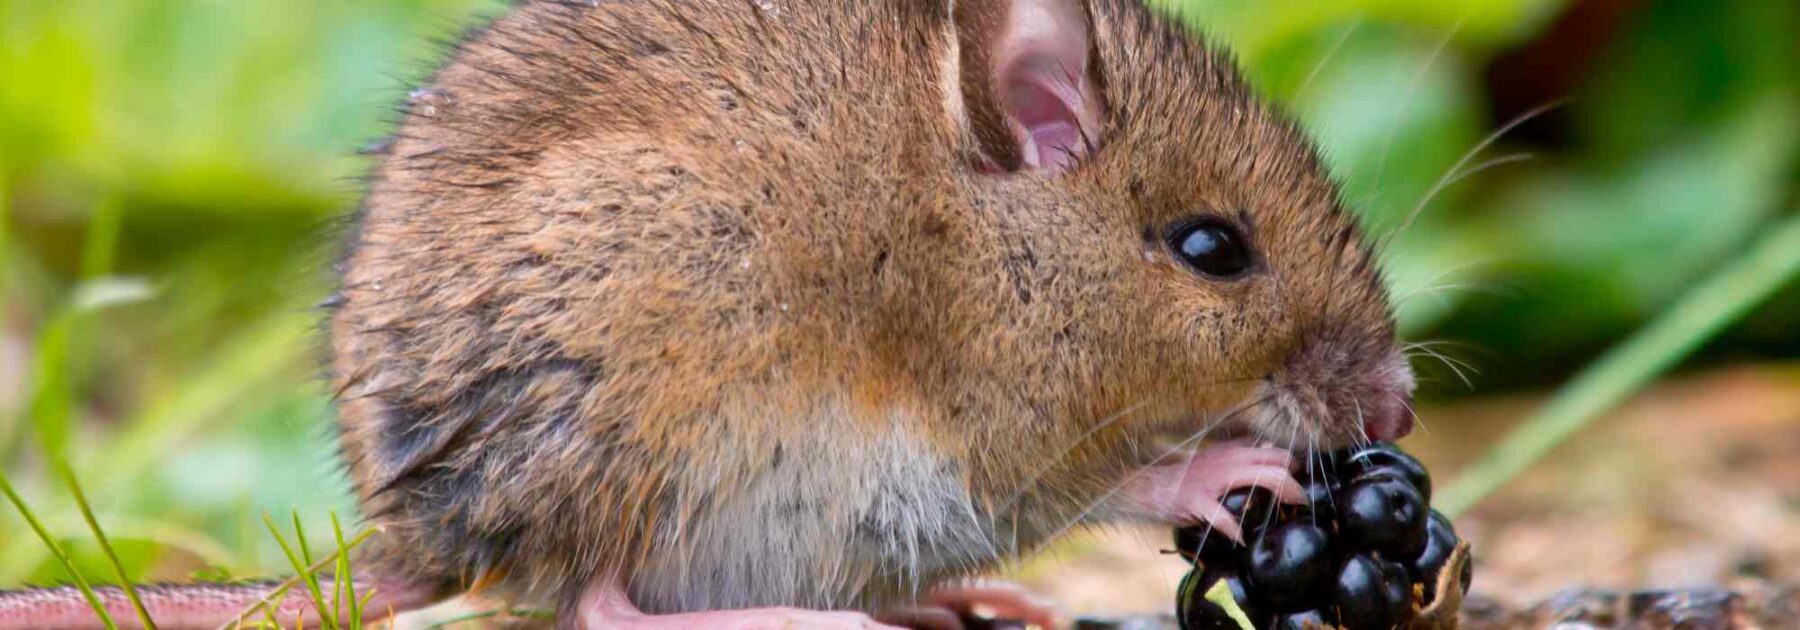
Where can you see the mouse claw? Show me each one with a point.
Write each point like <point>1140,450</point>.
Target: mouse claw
<point>1188,492</point>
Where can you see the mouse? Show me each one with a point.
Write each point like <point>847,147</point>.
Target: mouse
<point>796,313</point>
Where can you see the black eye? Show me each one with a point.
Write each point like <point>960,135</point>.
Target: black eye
<point>1213,248</point>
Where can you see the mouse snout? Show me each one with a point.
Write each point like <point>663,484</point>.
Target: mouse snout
<point>1343,389</point>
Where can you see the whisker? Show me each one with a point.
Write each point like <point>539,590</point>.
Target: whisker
<point>1312,452</point>
<point>1450,178</point>
<point>1133,475</point>
<point>1405,401</point>
<point>1029,484</point>
<point>1446,359</point>
<point>1435,291</point>
<point>1456,366</point>
<point>1412,87</point>
<point>1293,438</point>
<point>1428,343</point>
<point>1324,471</point>
<point>1486,142</point>
<point>1039,475</point>
<point>1432,285</point>
<point>1326,60</point>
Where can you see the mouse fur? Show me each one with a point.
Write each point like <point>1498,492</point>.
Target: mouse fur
<point>751,303</point>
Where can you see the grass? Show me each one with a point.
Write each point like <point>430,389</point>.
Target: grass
<point>56,550</point>
<point>306,572</point>
<point>342,604</point>
<point>302,565</point>
<point>124,580</point>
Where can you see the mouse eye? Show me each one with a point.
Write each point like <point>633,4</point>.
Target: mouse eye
<point>1212,247</point>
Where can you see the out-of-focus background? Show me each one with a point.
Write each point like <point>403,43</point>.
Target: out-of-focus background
<point>174,173</point>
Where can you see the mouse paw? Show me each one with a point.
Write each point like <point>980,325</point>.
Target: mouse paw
<point>1187,492</point>
<point>945,606</point>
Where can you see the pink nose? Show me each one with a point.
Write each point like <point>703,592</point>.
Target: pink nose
<point>1389,413</point>
<point>1390,420</point>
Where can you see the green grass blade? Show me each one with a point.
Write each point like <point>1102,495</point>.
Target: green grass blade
<point>57,551</point>
<point>87,514</point>
<point>300,541</point>
<point>346,576</point>
<point>303,570</point>
<point>280,590</point>
<point>269,616</point>
<point>370,597</point>
<point>1697,317</point>
<point>311,575</point>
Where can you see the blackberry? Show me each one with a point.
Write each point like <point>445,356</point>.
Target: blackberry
<point>1383,514</point>
<point>1371,593</point>
<point>1440,540</point>
<point>1289,562</point>
<point>1251,506</point>
<point>1386,459</point>
<point>1364,551</point>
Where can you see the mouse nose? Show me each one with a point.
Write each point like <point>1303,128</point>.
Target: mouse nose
<point>1389,416</point>
<point>1391,420</point>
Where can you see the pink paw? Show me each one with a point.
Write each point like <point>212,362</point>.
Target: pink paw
<point>946,605</point>
<point>1188,492</point>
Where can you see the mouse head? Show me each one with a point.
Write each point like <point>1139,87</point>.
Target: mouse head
<point>1175,256</point>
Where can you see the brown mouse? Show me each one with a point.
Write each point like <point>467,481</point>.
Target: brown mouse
<point>758,313</point>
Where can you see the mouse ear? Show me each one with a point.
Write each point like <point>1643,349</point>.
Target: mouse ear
<point>1029,87</point>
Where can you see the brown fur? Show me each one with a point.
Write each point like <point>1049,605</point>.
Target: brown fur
<point>627,263</point>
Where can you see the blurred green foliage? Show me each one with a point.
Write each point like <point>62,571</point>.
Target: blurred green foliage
<point>172,177</point>
<point>173,174</point>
